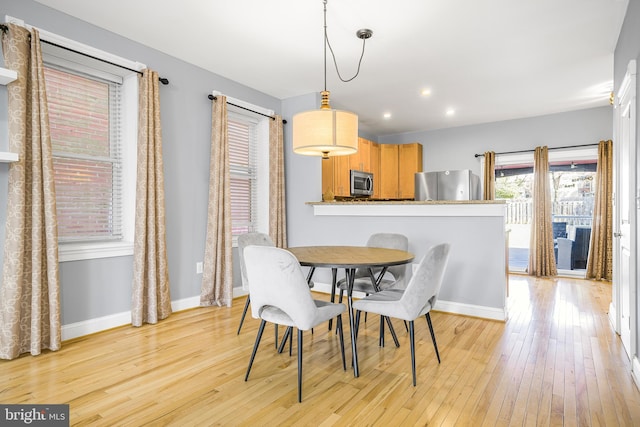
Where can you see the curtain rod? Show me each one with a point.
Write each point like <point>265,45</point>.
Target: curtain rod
<point>162,80</point>
<point>549,148</point>
<point>213,98</point>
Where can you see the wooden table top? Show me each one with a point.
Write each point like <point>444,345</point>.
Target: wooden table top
<point>349,256</point>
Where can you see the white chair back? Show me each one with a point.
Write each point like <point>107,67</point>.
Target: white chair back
<point>277,281</point>
<point>248,239</point>
<point>422,291</point>
<point>389,241</point>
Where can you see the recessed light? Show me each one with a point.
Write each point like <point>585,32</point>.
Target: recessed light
<point>425,92</point>
<point>450,112</point>
<point>387,115</point>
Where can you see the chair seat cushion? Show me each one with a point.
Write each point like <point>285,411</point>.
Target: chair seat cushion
<point>326,311</point>
<point>385,303</point>
<point>363,284</point>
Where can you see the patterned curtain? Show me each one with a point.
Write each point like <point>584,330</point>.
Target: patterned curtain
<point>600,259</point>
<point>277,201</point>
<point>151,300</point>
<point>217,286</point>
<point>541,257</point>
<point>30,291</point>
<point>489,192</point>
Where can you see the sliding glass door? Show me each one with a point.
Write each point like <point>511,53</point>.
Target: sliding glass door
<point>572,179</point>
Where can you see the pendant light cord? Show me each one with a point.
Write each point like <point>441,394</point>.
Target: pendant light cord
<point>335,62</point>
<point>326,41</point>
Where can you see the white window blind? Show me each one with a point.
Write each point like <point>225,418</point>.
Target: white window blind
<point>84,116</point>
<point>243,171</point>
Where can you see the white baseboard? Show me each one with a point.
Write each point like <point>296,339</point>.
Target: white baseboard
<point>483,312</point>
<point>91,326</point>
<point>445,306</point>
<point>635,371</point>
<point>613,318</point>
<point>239,292</point>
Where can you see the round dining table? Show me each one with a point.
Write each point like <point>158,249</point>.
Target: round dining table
<point>350,258</point>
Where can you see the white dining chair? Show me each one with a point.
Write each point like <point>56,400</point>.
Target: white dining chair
<point>280,294</point>
<point>393,277</point>
<point>244,240</point>
<point>416,300</point>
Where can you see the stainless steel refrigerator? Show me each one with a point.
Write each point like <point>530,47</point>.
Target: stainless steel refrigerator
<point>447,185</point>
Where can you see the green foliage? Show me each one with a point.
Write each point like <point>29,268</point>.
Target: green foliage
<point>506,193</point>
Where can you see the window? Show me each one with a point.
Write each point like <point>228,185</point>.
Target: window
<point>243,171</point>
<point>93,114</point>
<point>249,171</point>
<point>84,117</point>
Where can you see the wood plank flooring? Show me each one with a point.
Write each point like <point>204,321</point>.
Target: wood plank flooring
<point>556,361</point>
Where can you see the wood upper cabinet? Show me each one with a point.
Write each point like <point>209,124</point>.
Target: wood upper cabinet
<point>375,169</point>
<point>336,170</point>
<point>388,171</point>
<point>398,166</point>
<point>409,162</point>
<point>335,176</point>
<point>361,161</point>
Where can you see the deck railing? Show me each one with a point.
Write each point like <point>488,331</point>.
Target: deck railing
<point>519,211</point>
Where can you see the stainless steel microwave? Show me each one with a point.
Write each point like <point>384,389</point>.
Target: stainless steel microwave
<point>361,183</point>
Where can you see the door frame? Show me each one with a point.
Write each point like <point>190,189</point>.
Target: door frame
<point>627,89</point>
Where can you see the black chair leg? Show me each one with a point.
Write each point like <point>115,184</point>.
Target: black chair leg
<point>387,319</point>
<point>334,277</point>
<point>413,351</point>
<point>255,348</point>
<point>339,327</point>
<point>340,300</point>
<point>290,340</point>
<point>286,337</point>
<point>299,365</point>
<point>276,337</point>
<point>393,331</point>
<point>244,313</point>
<point>433,336</point>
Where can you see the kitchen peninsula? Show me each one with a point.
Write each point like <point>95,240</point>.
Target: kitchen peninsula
<point>475,281</point>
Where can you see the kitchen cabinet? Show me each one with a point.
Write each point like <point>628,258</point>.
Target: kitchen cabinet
<point>375,169</point>
<point>409,162</point>
<point>336,176</point>
<point>361,160</point>
<point>336,170</point>
<point>388,171</point>
<point>398,166</point>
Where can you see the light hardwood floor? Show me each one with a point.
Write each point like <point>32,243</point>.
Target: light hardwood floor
<point>555,361</point>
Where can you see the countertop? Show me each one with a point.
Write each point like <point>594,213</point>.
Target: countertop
<point>409,202</point>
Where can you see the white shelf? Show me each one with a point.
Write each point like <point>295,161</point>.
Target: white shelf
<point>7,157</point>
<point>7,76</point>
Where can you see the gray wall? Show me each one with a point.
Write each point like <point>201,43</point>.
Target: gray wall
<point>454,148</point>
<point>96,288</point>
<point>443,149</point>
<point>628,48</point>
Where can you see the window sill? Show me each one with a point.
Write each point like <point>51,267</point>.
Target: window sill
<point>84,251</point>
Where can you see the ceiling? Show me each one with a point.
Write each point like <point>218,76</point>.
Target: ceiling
<point>487,60</point>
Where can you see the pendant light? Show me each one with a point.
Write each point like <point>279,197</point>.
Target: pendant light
<point>327,132</point>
